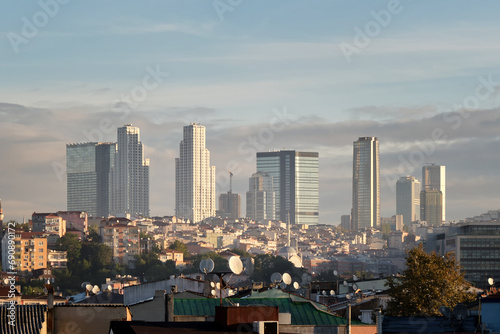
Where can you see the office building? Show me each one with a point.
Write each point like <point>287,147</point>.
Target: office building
<point>194,177</point>
<point>88,166</point>
<point>345,222</point>
<point>434,178</point>
<point>431,209</point>
<point>408,199</point>
<point>366,183</point>
<point>129,191</point>
<point>295,182</point>
<point>261,197</point>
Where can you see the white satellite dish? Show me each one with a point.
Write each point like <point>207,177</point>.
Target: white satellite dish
<point>207,265</point>
<point>296,285</point>
<point>212,292</point>
<point>6,281</point>
<point>348,297</point>
<point>491,281</point>
<point>332,293</point>
<point>95,289</point>
<point>235,265</point>
<point>212,284</point>
<point>323,293</point>
<point>345,283</point>
<point>335,272</point>
<point>354,286</point>
<point>276,278</point>
<point>283,285</point>
<point>354,278</point>
<point>110,288</point>
<point>84,285</point>
<point>88,287</point>
<point>217,285</point>
<point>287,279</point>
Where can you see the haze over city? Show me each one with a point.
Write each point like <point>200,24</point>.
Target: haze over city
<point>261,76</point>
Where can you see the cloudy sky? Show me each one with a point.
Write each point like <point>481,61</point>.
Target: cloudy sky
<point>422,76</point>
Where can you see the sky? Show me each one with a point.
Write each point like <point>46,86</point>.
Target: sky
<point>421,76</point>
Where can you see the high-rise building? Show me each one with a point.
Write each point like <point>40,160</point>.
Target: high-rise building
<point>296,184</point>
<point>88,167</point>
<point>345,222</point>
<point>408,199</point>
<point>230,203</point>
<point>261,197</point>
<point>1,219</point>
<point>194,177</point>
<point>129,191</point>
<point>431,206</point>
<point>366,183</point>
<point>434,178</point>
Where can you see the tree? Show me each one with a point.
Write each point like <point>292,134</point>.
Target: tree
<point>428,282</point>
<point>265,265</point>
<point>179,246</point>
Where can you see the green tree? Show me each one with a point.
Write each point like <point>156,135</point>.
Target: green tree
<point>428,282</point>
<point>179,246</point>
<point>267,264</point>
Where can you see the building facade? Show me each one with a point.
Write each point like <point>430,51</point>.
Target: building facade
<point>194,177</point>
<point>230,205</point>
<point>30,251</point>
<point>366,183</point>
<point>431,209</point>
<point>296,184</point>
<point>129,190</point>
<point>123,239</point>
<point>408,199</point>
<point>260,197</point>
<point>434,178</point>
<point>88,167</point>
<point>51,225</point>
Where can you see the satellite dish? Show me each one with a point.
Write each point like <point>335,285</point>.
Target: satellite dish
<point>354,286</point>
<point>212,284</point>
<point>323,293</point>
<point>276,278</point>
<point>335,272</point>
<point>6,281</point>
<point>348,297</point>
<point>84,285</point>
<point>345,283</point>
<point>491,281</point>
<point>305,278</point>
<point>248,263</point>
<point>460,312</point>
<point>296,261</point>
<point>283,285</point>
<point>296,285</point>
<point>332,293</point>
<point>88,287</point>
<point>217,285</point>
<point>110,288</point>
<point>445,311</point>
<point>207,265</point>
<point>95,289</point>
<point>235,265</point>
<point>287,279</point>
<point>212,292</point>
<point>354,278</point>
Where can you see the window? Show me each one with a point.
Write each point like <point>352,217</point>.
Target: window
<point>40,243</point>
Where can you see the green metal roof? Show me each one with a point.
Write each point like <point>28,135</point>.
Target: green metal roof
<point>303,312</point>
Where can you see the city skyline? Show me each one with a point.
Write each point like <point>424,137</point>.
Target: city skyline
<point>264,76</point>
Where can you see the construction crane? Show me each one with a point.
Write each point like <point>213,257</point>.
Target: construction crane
<point>230,181</point>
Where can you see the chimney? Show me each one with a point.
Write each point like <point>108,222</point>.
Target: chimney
<point>169,317</point>
<point>50,308</point>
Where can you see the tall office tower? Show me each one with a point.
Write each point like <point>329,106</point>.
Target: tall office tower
<point>408,198</point>
<point>1,218</point>
<point>431,208</point>
<point>296,184</point>
<point>230,203</point>
<point>365,183</point>
<point>434,178</point>
<point>194,177</point>
<point>261,197</point>
<point>87,167</point>
<point>129,193</point>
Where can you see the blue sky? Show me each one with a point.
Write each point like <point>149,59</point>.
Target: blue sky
<point>230,72</point>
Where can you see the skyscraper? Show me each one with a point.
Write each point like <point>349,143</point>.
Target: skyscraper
<point>129,192</point>
<point>230,203</point>
<point>408,198</point>
<point>431,209</point>
<point>434,178</point>
<point>296,184</point>
<point>261,197</point>
<point>194,177</point>
<point>88,167</point>
<point>365,183</point>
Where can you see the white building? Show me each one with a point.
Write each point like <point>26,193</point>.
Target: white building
<point>130,176</point>
<point>194,177</point>
<point>408,199</point>
<point>261,197</point>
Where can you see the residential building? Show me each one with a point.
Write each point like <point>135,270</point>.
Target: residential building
<point>129,190</point>
<point>123,239</point>
<point>194,177</point>
<point>295,183</point>
<point>30,251</point>
<point>408,199</point>
<point>431,208</point>
<point>261,197</point>
<point>77,220</point>
<point>88,167</point>
<point>434,178</point>
<point>50,224</point>
<point>366,183</point>
<point>57,259</point>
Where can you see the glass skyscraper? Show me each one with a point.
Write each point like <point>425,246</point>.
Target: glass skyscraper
<point>295,178</point>
<point>88,166</point>
<point>365,183</point>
